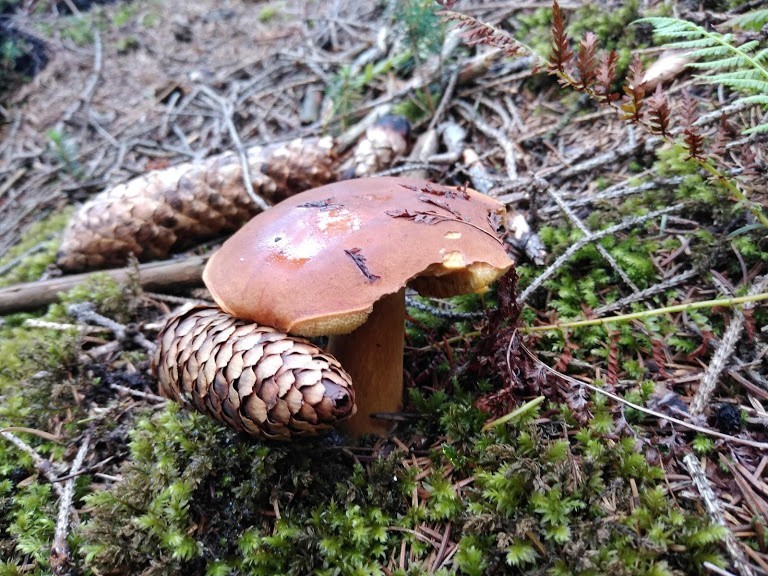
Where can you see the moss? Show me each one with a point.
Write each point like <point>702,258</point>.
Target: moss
<point>552,506</point>
<point>197,498</point>
<point>195,490</point>
<point>40,242</point>
<point>268,13</point>
<point>115,300</point>
<point>44,386</point>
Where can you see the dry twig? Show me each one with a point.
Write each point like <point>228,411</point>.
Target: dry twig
<point>60,557</point>
<point>167,274</point>
<point>724,351</point>
<point>42,465</point>
<point>662,286</point>
<point>227,111</point>
<point>643,409</point>
<point>716,513</point>
<point>600,248</point>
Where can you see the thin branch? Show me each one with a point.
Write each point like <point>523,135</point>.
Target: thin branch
<point>600,248</point>
<point>662,286</point>
<point>86,312</point>
<point>724,351</point>
<point>60,556</point>
<point>139,393</point>
<point>510,156</point>
<point>731,302</point>
<point>447,314</point>
<point>445,100</point>
<point>227,111</point>
<point>90,86</point>
<point>716,513</point>
<point>620,190</point>
<point>643,409</point>
<point>42,465</point>
<point>167,274</point>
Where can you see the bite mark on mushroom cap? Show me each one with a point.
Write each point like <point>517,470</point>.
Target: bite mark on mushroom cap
<point>290,267</point>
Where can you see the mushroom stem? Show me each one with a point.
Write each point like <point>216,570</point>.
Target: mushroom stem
<point>373,356</point>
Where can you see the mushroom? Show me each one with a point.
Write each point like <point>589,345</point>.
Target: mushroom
<point>336,260</point>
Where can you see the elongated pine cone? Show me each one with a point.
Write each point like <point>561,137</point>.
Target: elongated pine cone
<point>250,377</point>
<point>168,210</point>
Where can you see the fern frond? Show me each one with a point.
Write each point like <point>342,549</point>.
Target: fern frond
<point>735,80</point>
<point>477,32</point>
<point>753,20</point>
<point>705,43</point>
<point>759,129</point>
<point>730,62</point>
<point>561,51</point>
<point>659,112</point>
<point>742,67</point>
<point>586,61</point>
<point>716,52</point>
<point>694,141</point>
<point>606,72</point>
<point>634,92</point>
<point>756,99</point>
<point>687,44</point>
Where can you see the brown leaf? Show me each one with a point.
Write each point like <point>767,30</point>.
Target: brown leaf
<point>561,50</point>
<point>586,62</point>
<point>606,74</point>
<point>634,92</point>
<point>440,204</point>
<point>359,260</point>
<point>425,217</point>
<point>659,112</point>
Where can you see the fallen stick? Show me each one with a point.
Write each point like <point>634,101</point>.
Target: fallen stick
<point>164,275</point>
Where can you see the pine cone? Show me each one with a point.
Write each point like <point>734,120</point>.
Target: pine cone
<point>383,142</point>
<point>250,377</point>
<point>172,209</point>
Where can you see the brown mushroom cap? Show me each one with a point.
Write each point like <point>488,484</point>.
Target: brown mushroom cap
<point>318,261</point>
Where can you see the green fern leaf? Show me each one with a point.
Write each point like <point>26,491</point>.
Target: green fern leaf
<point>732,81</point>
<point>712,52</point>
<point>688,44</point>
<point>743,68</point>
<point>706,44</point>
<point>759,129</point>
<point>753,20</point>
<point>749,46</point>
<point>731,62</point>
<point>756,99</point>
<point>762,55</point>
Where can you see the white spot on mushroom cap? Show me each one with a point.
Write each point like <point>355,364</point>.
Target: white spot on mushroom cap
<point>338,219</point>
<point>452,235</point>
<point>325,223</point>
<point>307,247</point>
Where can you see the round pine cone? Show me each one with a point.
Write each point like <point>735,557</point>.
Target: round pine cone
<point>250,377</point>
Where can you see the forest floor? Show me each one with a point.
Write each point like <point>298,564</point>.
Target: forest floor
<point>662,470</point>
